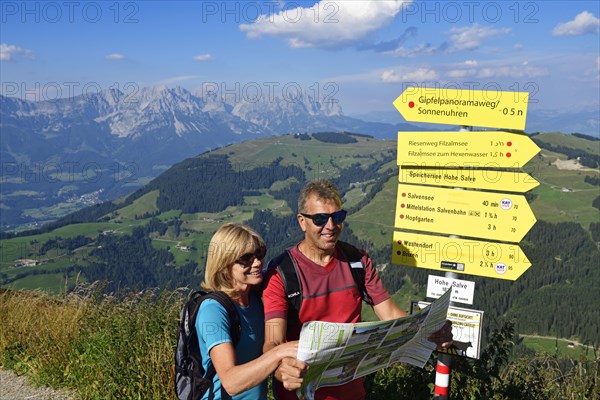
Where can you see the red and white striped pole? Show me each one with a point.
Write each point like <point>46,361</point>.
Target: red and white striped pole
<point>442,369</point>
<point>442,377</point>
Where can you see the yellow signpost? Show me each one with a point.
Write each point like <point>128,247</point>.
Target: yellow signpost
<point>465,149</point>
<point>488,215</point>
<point>500,180</point>
<point>472,257</point>
<point>433,162</point>
<point>487,108</point>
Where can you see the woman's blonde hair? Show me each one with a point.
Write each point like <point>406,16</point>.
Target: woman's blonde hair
<point>228,244</point>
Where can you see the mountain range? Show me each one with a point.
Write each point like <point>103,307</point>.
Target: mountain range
<point>585,121</point>
<point>152,116</point>
<point>61,155</point>
<point>54,152</point>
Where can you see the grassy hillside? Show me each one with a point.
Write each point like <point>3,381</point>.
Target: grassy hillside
<point>365,169</point>
<point>317,159</point>
<point>376,220</point>
<point>561,196</point>
<point>574,142</point>
<point>56,261</point>
<point>561,347</point>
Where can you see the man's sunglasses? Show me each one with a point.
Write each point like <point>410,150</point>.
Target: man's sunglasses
<point>321,219</point>
<point>248,259</point>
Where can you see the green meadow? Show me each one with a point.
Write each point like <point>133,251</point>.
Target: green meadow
<point>559,347</point>
<point>562,195</point>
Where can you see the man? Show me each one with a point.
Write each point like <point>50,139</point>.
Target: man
<point>329,291</point>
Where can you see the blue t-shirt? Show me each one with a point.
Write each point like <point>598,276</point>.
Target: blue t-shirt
<point>212,325</point>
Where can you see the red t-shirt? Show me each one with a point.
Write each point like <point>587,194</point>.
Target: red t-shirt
<point>329,294</point>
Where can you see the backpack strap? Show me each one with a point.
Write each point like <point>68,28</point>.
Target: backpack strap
<point>235,326</point>
<point>354,258</point>
<point>288,271</point>
<point>187,329</point>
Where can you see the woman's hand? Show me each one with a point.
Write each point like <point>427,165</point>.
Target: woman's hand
<point>288,349</point>
<point>291,370</point>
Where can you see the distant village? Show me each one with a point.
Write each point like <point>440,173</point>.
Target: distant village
<point>26,262</point>
<point>88,199</point>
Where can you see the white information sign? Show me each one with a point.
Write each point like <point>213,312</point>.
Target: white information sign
<point>462,291</point>
<point>466,329</point>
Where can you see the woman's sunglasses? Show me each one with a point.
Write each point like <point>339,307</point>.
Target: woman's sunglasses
<point>321,219</point>
<point>248,259</point>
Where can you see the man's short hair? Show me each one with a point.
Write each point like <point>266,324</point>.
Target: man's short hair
<point>321,188</point>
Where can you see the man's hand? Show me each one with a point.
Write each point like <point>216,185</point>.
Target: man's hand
<point>443,337</point>
<point>291,373</point>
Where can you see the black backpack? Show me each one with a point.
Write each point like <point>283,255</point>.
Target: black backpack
<point>287,269</point>
<point>191,380</point>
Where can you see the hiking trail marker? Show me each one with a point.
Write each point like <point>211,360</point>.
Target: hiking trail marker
<point>462,256</point>
<point>434,166</point>
<point>465,149</point>
<point>486,215</point>
<point>506,181</point>
<point>494,109</point>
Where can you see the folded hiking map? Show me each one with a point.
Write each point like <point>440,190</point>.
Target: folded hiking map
<point>338,353</point>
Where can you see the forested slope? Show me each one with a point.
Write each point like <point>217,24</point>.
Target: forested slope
<point>158,236</point>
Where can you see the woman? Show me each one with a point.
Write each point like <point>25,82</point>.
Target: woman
<point>234,266</point>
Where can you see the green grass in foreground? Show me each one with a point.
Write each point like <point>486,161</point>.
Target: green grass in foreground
<point>103,347</point>
<point>100,346</point>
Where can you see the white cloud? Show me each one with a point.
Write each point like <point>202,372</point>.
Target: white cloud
<point>495,69</point>
<point>203,57</point>
<point>583,23</point>
<point>115,56</point>
<point>461,39</point>
<point>9,51</point>
<point>461,73</point>
<point>418,75</point>
<point>420,50</point>
<point>470,38</point>
<point>594,71</point>
<point>327,23</point>
<point>511,71</point>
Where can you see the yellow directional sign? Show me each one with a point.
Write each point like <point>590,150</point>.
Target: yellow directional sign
<point>498,180</point>
<point>480,258</point>
<point>487,215</point>
<point>488,108</point>
<point>465,149</point>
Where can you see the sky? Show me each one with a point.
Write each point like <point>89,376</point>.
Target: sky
<point>362,54</point>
